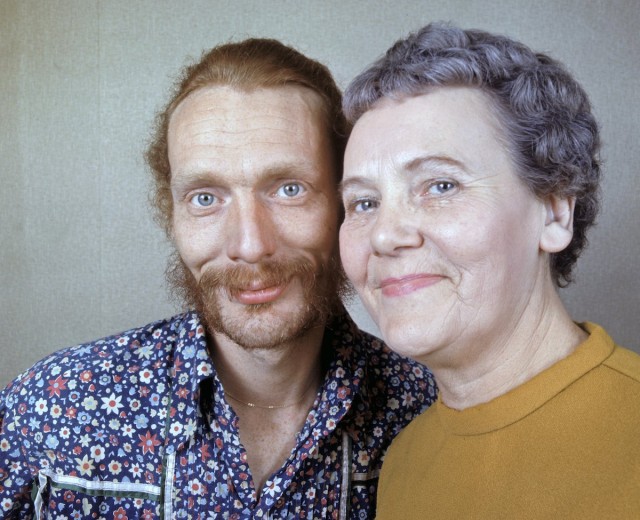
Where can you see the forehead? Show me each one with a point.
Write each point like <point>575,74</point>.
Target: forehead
<point>222,128</point>
<point>453,123</point>
<point>227,109</point>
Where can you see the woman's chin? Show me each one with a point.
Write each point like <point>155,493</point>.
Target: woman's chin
<point>407,341</point>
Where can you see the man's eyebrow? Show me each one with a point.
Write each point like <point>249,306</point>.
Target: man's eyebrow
<point>288,169</point>
<point>189,179</point>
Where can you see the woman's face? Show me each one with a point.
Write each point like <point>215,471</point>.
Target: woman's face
<point>441,238</point>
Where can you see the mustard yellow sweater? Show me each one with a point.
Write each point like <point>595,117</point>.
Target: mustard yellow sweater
<point>566,444</point>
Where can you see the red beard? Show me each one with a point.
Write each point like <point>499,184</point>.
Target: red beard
<point>257,326</point>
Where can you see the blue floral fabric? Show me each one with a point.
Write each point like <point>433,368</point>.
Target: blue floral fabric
<point>137,426</point>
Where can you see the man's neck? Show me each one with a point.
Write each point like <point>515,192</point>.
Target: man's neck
<point>277,374</point>
<point>272,391</point>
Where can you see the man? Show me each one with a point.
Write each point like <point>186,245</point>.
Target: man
<point>266,401</point>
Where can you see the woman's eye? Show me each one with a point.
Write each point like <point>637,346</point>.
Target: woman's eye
<point>203,200</point>
<point>291,189</point>
<point>363,205</point>
<point>441,187</point>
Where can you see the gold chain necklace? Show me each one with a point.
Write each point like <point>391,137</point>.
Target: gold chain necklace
<point>269,406</point>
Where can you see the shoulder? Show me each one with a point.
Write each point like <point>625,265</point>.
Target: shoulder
<point>411,439</point>
<point>625,362</point>
<point>398,377</point>
<point>97,361</point>
<point>619,362</point>
<point>380,361</point>
<point>394,389</point>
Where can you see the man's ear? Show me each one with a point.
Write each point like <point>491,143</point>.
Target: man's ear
<point>558,226</point>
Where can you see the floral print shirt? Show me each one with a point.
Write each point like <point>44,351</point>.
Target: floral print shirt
<point>137,426</point>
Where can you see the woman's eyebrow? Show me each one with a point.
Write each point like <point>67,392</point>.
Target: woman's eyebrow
<point>351,182</point>
<point>442,162</point>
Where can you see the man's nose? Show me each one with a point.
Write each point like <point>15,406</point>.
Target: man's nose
<point>251,235</point>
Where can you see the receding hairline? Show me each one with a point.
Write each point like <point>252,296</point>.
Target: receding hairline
<point>320,104</point>
<point>311,99</point>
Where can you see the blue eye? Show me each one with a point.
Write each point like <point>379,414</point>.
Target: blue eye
<point>203,200</point>
<point>441,187</point>
<point>364,205</point>
<point>291,189</point>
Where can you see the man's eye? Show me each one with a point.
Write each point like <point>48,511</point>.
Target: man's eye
<point>441,187</point>
<point>291,189</point>
<point>203,200</point>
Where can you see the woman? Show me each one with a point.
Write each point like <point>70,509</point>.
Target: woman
<point>471,178</point>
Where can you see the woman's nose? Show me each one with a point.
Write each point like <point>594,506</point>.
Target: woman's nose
<point>394,230</point>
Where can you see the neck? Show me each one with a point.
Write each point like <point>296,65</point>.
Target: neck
<point>281,383</point>
<point>275,377</point>
<point>500,361</point>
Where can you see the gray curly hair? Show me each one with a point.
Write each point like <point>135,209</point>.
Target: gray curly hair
<point>553,136</point>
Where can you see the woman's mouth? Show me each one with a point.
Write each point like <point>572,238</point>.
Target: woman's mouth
<point>408,284</point>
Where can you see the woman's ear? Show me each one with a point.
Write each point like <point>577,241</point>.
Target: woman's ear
<point>558,226</point>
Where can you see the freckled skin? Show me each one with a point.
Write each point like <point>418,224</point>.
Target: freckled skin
<point>253,180</point>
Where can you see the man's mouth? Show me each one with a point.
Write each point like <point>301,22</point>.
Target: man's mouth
<point>261,295</point>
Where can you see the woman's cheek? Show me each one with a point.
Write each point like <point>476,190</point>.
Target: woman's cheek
<point>353,254</point>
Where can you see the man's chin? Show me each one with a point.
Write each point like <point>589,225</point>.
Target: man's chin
<point>262,326</point>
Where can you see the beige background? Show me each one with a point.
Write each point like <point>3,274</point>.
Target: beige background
<point>80,81</point>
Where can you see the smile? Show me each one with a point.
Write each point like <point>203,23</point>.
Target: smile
<point>408,284</point>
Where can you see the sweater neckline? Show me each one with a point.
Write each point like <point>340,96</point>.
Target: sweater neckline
<point>528,397</point>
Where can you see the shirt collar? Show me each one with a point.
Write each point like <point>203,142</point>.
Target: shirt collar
<point>197,391</point>
<point>343,378</point>
<point>191,366</point>
<point>525,399</point>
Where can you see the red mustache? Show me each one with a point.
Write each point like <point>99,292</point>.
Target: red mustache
<point>241,277</point>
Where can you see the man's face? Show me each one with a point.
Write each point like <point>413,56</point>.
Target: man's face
<point>255,210</point>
